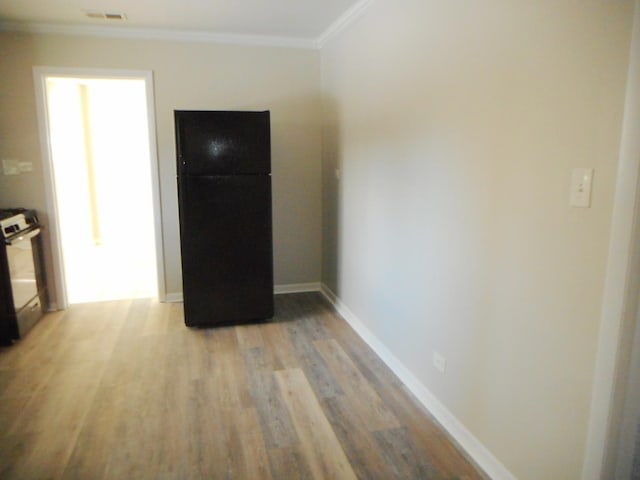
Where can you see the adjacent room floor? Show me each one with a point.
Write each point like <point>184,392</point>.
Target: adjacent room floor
<point>124,390</point>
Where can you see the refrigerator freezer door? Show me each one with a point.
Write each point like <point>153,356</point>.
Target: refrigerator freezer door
<point>227,253</point>
<point>223,143</point>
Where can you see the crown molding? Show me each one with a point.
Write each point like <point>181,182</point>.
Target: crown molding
<point>159,34</point>
<point>346,19</point>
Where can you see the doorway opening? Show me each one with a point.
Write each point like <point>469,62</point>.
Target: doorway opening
<point>104,188</point>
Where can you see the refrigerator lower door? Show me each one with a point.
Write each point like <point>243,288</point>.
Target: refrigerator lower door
<point>227,253</point>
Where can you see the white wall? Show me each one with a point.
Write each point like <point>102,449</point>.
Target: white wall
<point>187,76</point>
<point>456,127</point>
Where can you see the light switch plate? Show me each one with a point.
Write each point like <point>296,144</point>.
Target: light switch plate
<point>581,181</point>
<point>25,166</point>
<point>10,166</point>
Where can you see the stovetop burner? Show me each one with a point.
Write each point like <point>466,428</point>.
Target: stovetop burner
<point>10,212</point>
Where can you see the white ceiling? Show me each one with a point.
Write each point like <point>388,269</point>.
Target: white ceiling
<point>296,19</point>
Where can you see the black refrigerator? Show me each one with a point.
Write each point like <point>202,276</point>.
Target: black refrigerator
<point>224,199</point>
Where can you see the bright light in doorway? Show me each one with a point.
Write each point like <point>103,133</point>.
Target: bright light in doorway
<point>100,150</point>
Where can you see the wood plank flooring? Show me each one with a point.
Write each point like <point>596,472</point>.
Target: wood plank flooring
<point>123,390</point>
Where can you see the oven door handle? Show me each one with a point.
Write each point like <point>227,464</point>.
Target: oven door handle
<point>22,236</point>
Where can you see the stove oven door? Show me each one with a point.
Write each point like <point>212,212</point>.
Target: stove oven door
<point>22,276</point>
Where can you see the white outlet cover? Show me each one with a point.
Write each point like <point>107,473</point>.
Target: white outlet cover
<point>439,362</point>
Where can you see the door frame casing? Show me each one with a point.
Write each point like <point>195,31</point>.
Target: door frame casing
<point>40,75</point>
<point>621,288</point>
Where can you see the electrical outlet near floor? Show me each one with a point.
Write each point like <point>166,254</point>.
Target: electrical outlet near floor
<point>439,362</point>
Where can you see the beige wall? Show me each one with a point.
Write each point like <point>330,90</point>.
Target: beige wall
<point>187,76</point>
<point>456,126</point>
<point>615,407</point>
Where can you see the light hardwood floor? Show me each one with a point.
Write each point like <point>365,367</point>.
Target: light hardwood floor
<point>124,390</point>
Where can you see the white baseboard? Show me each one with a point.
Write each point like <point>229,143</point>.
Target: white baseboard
<point>176,297</point>
<point>472,446</point>
<point>297,288</point>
